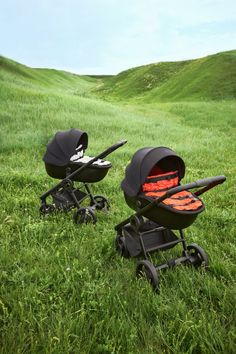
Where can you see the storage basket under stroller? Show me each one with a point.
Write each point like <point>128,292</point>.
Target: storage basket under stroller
<point>152,188</point>
<point>65,160</point>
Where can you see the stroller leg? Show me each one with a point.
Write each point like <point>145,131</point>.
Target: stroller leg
<point>142,246</point>
<point>83,215</point>
<point>92,201</point>
<point>74,198</point>
<point>183,242</point>
<point>98,202</point>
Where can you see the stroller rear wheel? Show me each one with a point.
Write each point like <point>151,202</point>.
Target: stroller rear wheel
<point>84,215</point>
<point>198,257</point>
<point>146,268</point>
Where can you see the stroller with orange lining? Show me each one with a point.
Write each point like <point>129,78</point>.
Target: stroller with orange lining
<point>152,188</point>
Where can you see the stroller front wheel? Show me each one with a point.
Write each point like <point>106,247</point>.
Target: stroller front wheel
<point>147,269</point>
<point>84,215</point>
<point>198,257</point>
<point>46,209</point>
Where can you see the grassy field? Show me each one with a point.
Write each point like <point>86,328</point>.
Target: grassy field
<point>64,289</point>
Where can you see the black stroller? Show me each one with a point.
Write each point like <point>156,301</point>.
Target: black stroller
<point>64,159</point>
<point>152,188</point>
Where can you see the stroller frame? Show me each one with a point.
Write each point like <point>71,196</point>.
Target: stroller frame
<point>66,197</point>
<point>151,237</point>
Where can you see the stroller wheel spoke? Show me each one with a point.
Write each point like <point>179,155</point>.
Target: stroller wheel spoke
<point>147,269</point>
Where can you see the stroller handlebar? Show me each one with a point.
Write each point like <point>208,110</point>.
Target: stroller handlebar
<point>116,146</point>
<point>112,148</point>
<point>211,180</point>
<point>206,183</point>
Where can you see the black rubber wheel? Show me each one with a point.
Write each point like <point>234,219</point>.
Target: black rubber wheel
<point>198,257</point>
<point>121,246</point>
<point>100,202</point>
<point>84,215</point>
<point>46,209</point>
<point>147,269</point>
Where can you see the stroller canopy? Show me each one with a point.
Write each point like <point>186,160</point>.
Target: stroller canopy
<point>143,162</point>
<point>63,146</point>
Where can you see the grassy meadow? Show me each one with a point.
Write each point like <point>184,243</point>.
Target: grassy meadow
<point>64,289</point>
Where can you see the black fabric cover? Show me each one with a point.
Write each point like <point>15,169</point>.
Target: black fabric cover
<point>63,145</point>
<point>142,163</point>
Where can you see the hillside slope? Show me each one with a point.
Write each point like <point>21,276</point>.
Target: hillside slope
<point>13,74</point>
<point>137,81</point>
<point>213,77</point>
<point>209,78</point>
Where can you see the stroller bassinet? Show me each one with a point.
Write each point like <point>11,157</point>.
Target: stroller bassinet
<point>64,159</point>
<point>152,188</point>
<point>145,178</point>
<point>61,154</point>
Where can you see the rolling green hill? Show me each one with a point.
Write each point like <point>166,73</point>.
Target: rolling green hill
<point>209,78</point>
<point>137,81</point>
<point>14,75</point>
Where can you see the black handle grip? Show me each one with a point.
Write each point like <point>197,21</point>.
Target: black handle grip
<point>209,183</point>
<point>211,180</point>
<point>112,148</point>
<point>117,145</point>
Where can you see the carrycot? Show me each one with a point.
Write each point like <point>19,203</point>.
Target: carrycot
<point>146,173</point>
<point>60,151</point>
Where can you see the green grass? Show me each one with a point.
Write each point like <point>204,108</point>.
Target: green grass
<point>209,78</point>
<point>138,81</point>
<point>64,289</point>
<point>15,77</point>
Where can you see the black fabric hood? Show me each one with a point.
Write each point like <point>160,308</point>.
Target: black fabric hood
<point>142,163</point>
<point>63,145</point>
